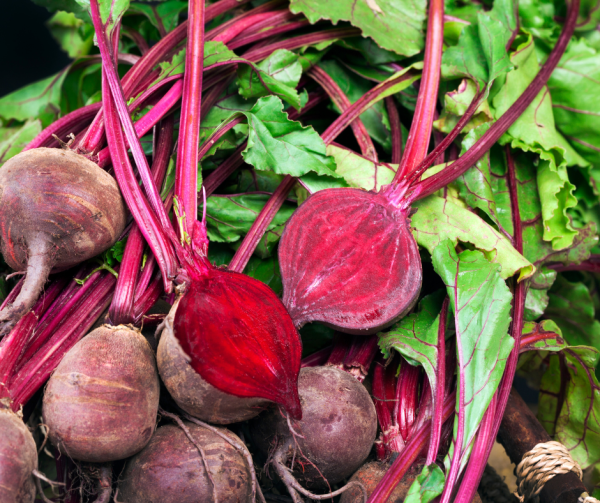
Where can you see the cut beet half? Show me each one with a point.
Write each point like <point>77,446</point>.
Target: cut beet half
<point>355,267</point>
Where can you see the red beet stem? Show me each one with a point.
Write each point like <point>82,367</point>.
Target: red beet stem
<point>341,346</point>
<point>395,129</point>
<point>360,355</point>
<point>145,301</point>
<point>259,227</point>
<point>225,169</point>
<point>342,102</point>
<point>440,387</point>
<point>385,399</point>
<point>186,178</point>
<point>493,134</point>
<point>136,202</point>
<point>407,397</point>
<point>242,25</point>
<point>148,121</point>
<point>318,358</point>
<point>414,447</point>
<point>83,313</point>
<point>271,33</point>
<point>121,308</point>
<point>420,130</point>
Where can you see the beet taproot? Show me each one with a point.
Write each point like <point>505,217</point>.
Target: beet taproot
<point>192,393</point>
<point>237,334</point>
<point>100,404</point>
<point>57,210</point>
<point>170,469</point>
<point>349,260</point>
<point>18,459</point>
<point>334,436</point>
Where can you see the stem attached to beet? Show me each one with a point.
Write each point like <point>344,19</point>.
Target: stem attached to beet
<point>395,129</point>
<point>342,102</point>
<point>186,178</point>
<point>420,131</point>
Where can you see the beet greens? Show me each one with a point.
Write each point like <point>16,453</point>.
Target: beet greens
<point>405,200</point>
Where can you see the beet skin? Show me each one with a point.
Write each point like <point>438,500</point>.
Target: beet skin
<point>336,432</point>
<point>57,209</point>
<point>18,459</point>
<point>170,469</point>
<point>192,393</point>
<point>101,402</point>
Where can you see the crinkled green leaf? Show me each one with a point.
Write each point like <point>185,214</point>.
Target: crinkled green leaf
<point>438,219</point>
<point>13,140</point>
<point>280,70</point>
<point>427,485</point>
<point>165,12</point>
<point>575,90</point>
<point>577,424</point>
<point>74,36</point>
<point>536,303</point>
<point>416,336</point>
<point>534,131</point>
<point>376,118</point>
<point>481,302</point>
<point>278,144</point>
<point>572,309</point>
<point>395,25</point>
<point>535,248</point>
<point>537,16</point>
<point>229,218</point>
<point>32,100</point>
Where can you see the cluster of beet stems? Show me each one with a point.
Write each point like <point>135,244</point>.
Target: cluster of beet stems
<point>69,307</point>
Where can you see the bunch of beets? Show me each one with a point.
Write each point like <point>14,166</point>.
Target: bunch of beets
<point>142,367</point>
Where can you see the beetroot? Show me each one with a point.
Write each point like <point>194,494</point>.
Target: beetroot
<point>58,209</point>
<point>192,393</point>
<point>348,259</point>
<point>170,469</point>
<point>101,401</point>
<point>333,438</point>
<point>18,459</point>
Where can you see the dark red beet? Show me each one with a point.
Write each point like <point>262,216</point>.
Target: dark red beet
<point>57,210</point>
<point>348,259</point>
<point>100,403</point>
<point>192,393</point>
<point>239,336</point>
<point>18,459</point>
<point>170,469</point>
<point>335,435</point>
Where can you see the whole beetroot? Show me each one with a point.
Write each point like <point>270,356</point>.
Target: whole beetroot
<point>18,459</point>
<point>101,402</point>
<point>170,469</point>
<point>57,210</point>
<point>192,393</point>
<point>334,436</point>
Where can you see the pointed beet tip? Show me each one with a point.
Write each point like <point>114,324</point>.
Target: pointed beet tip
<point>291,403</point>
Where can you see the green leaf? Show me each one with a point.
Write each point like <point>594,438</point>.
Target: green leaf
<point>475,185</point>
<point>416,336</point>
<point>34,99</point>
<point>577,424</point>
<point>535,248</point>
<point>438,219</point>
<point>229,218</point>
<point>534,131</point>
<point>266,271</point>
<point>481,302</point>
<point>16,139</point>
<point>375,118</point>
<point>360,172</point>
<point>280,72</point>
<point>480,54</point>
<point>115,253</point>
<point>536,303</point>
<point>111,11</point>
<point>572,309</point>
<point>395,25</point>
<point>283,146</point>
<point>427,485</point>
<point>65,5</point>
<point>167,12</point>
<point>575,89</point>
<point>74,36</point>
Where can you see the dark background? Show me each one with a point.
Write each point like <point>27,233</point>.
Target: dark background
<point>27,50</point>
